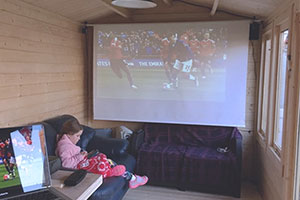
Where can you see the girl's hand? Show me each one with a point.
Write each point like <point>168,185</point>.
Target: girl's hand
<point>84,153</point>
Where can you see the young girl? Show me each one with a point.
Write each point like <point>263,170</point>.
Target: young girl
<point>72,156</point>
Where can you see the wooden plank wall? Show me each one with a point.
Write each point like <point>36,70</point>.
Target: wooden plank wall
<point>41,65</point>
<point>248,130</point>
<point>274,174</point>
<point>192,13</point>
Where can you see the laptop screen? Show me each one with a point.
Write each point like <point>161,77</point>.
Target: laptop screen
<point>23,160</point>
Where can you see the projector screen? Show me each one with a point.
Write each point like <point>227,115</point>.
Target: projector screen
<point>186,73</point>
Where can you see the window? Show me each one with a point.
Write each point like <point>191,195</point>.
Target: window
<point>280,92</point>
<point>264,84</point>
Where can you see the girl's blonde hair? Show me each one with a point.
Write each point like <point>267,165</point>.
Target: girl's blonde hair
<point>71,127</point>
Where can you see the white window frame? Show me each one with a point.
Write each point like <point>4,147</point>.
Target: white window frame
<point>264,81</point>
<point>279,28</point>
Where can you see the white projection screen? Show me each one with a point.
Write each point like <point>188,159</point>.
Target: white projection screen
<point>185,73</point>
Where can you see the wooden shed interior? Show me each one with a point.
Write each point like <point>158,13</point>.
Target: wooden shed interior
<point>44,72</point>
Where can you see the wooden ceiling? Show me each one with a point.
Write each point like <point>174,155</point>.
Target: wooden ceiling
<point>101,11</point>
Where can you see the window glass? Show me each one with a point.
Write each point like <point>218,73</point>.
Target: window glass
<point>283,42</point>
<point>265,86</point>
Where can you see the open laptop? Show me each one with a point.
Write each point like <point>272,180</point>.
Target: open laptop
<point>24,167</point>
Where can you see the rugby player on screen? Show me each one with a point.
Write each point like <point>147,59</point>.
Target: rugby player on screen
<point>181,56</point>
<point>207,50</point>
<point>117,61</point>
<point>7,156</point>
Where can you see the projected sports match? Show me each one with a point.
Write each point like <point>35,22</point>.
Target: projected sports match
<point>170,68</point>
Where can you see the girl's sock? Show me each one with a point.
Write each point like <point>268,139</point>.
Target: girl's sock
<point>127,175</point>
<point>133,177</point>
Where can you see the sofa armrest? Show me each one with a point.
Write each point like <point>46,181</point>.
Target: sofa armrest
<point>236,142</point>
<point>54,163</point>
<point>136,140</point>
<point>238,148</point>
<point>236,145</point>
<point>109,146</point>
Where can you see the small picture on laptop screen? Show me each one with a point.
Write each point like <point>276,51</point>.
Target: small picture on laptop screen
<point>29,150</point>
<point>9,174</point>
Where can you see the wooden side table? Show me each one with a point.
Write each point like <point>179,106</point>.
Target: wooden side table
<point>81,191</point>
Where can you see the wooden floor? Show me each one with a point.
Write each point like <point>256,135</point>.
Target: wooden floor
<point>147,192</point>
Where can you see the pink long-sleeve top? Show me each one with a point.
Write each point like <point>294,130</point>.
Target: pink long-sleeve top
<point>68,152</point>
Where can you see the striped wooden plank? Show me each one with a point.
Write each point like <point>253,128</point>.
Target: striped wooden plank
<point>30,78</point>
<point>24,68</point>
<point>13,43</point>
<point>27,33</point>
<point>22,56</point>
<point>68,103</point>
<point>37,26</point>
<point>34,99</point>
<point>29,11</point>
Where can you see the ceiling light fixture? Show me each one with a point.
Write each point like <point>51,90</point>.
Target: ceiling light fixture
<point>134,3</point>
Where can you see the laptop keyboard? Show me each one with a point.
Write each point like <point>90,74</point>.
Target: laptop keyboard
<point>43,195</point>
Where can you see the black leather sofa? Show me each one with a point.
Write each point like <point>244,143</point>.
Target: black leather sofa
<point>113,188</point>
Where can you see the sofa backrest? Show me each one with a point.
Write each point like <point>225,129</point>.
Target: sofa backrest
<point>161,133</point>
<point>57,122</point>
<point>56,125</point>
<point>191,135</point>
<point>50,134</point>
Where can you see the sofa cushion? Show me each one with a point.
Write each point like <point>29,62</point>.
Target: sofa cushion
<point>190,135</point>
<point>87,134</point>
<point>193,135</point>
<point>161,163</point>
<point>162,133</point>
<point>206,166</point>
